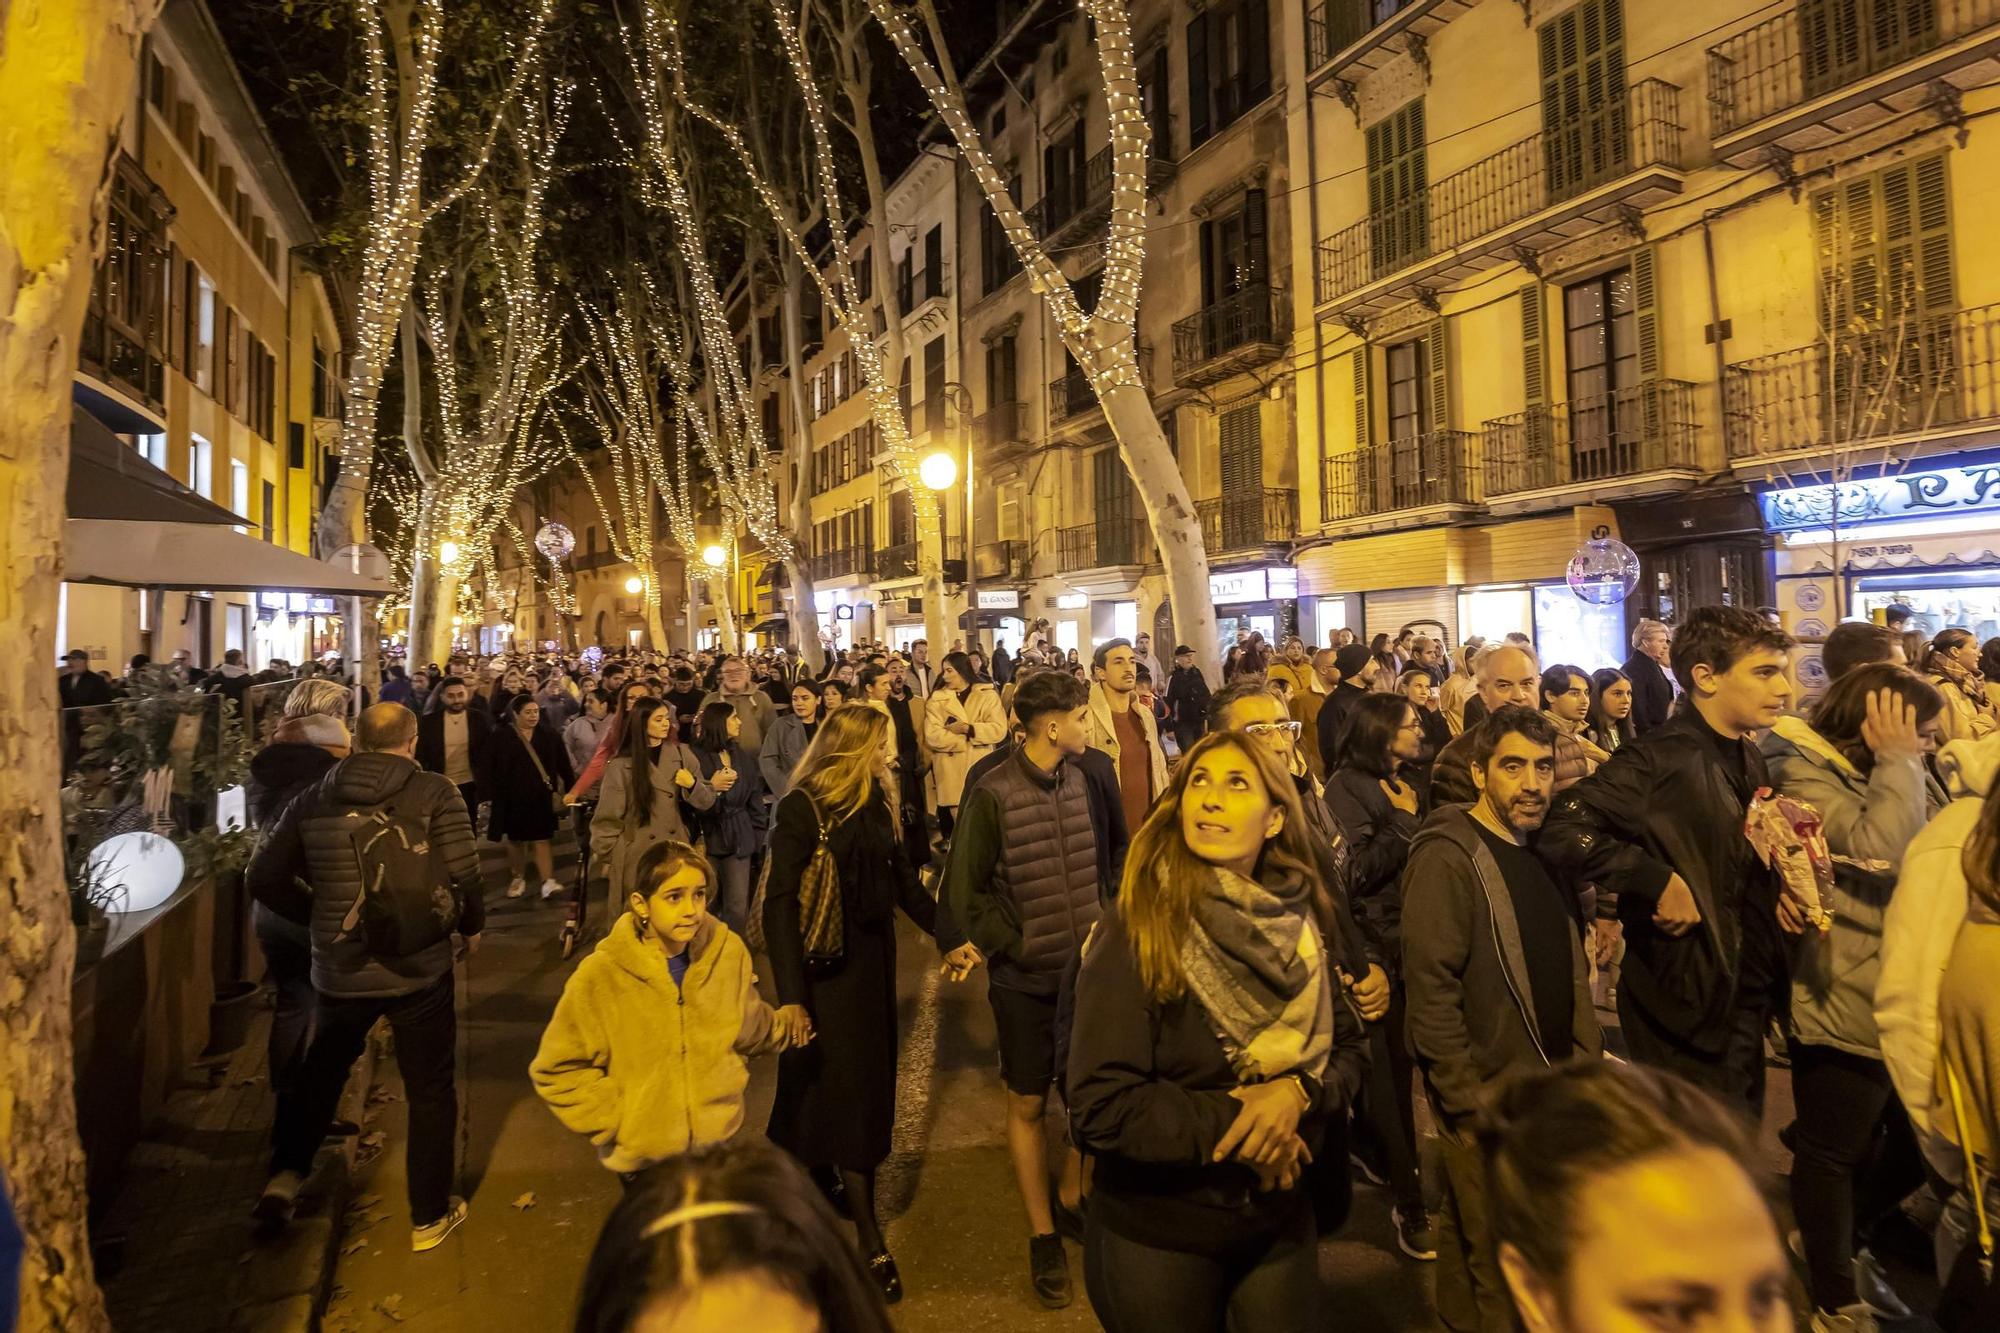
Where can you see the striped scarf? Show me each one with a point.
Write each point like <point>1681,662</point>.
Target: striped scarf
<point>1257,966</point>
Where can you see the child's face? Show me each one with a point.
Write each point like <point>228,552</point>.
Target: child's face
<point>676,906</point>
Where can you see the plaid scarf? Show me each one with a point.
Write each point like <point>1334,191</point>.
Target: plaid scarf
<point>1258,968</point>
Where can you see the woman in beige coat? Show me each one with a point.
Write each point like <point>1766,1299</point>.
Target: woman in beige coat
<point>1953,666</point>
<point>963,721</point>
<point>639,804</point>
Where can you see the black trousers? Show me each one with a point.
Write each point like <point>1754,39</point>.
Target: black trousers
<point>1271,1287</point>
<point>1854,1158</point>
<point>1735,1072</point>
<point>1385,1118</point>
<point>287,950</point>
<point>426,1026</point>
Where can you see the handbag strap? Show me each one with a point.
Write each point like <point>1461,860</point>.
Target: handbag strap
<point>1974,1181</point>
<point>529,746</point>
<point>819,823</point>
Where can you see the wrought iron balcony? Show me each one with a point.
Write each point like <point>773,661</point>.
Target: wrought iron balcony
<point>1545,188</point>
<point>1237,332</point>
<point>1250,521</point>
<point>1345,38</point>
<point>1423,472</point>
<point>900,560</point>
<point>1097,545</point>
<point>1071,395</point>
<point>1080,203</point>
<point>1916,377</point>
<point>845,562</point>
<point>1000,560</point>
<point>1002,431</point>
<point>1628,432</point>
<point>1826,69</point>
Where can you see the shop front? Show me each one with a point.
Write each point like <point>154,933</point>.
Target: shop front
<point>1263,601</point>
<point>998,618</point>
<point>1928,540</point>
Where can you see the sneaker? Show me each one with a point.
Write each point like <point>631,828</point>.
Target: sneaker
<point>431,1236</point>
<point>882,1267</point>
<point>1069,1221</point>
<point>550,889</point>
<point>1856,1318</point>
<point>1413,1234</point>
<point>1871,1284</point>
<point>274,1207</point>
<point>1367,1170</point>
<point>1048,1269</point>
<point>517,887</point>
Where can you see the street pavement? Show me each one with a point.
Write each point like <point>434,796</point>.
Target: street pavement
<point>538,1196</point>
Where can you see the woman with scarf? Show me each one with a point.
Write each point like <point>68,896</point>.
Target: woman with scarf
<point>1953,666</point>
<point>1212,1042</point>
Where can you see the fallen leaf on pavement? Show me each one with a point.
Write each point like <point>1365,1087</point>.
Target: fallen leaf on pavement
<point>525,1202</point>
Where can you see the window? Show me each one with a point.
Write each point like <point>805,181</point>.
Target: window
<point>270,511</point>
<point>1088,289</point>
<point>232,362</point>
<point>1065,164</point>
<point>1234,252</point>
<point>999,120</point>
<point>934,386</point>
<point>1600,335</point>
<point>905,285</point>
<point>203,312</point>
<point>1059,54</point>
<point>1154,100</point>
<point>1585,121</point>
<point>201,460</point>
<point>1002,372</point>
<point>1229,65</point>
<point>204,155</point>
<point>864,275</point>
<point>157,91</point>
<point>998,260</point>
<point>1398,203</point>
<point>1404,364</point>
<point>934,262</point>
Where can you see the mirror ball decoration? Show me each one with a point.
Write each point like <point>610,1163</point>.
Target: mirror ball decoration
<point>1604,570</point>
<point>555,541</point>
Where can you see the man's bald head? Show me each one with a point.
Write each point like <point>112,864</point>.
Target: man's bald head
<point>389,728</point>
<point>1508,675</point>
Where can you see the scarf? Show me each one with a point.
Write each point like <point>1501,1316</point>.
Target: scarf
<point>1258,969</point>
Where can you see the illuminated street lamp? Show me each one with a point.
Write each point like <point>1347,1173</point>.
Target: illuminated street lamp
<point>938,470</point>
<point>714,556</point>
<point>633,584</point>
<point>448,552</point>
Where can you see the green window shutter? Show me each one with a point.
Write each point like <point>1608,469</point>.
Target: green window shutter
<point>1438,376</point>
<point>1916,235</point>
<point>1645,297</point>
<point>1364,417</point>
<point>1534,348</point>
<point>1584,119</point>
<point>1398,177</point>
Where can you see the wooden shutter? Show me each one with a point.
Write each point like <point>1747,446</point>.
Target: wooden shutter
<point>1254,19</point>
<point>1584,118</point>
<point>1199,117</point>
<point>1646,310</point>
<point>1364,416</point>
<point>1916,234</point>
<point>1206,244</point>
<point>1256,238</point>
<point>1437,376</point>
<point>1534,379</point>
<point>1398,176</point>
<point>176,308</point>
<point>1242,516</point>
<point>1158,102</point>
<point>1112,496</point>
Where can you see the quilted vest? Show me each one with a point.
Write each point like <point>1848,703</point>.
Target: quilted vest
<point>1047,867</point>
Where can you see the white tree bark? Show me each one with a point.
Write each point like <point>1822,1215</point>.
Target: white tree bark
<point>66,78</point>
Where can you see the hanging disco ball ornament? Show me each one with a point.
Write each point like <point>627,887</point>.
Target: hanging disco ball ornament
<point>555,541</point>
<point>1604,570</point>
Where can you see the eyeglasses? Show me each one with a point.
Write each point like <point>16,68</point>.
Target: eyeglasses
<point>1272,729</point>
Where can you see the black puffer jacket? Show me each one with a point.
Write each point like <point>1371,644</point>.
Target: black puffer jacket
<point>308,865</point>
<point>1378,843</point>
<point>280,771</point>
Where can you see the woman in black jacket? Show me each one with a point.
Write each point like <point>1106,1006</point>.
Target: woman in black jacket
<point>527,771</point>
<point>729,828</point>
<point>1379,809</point>
<point>1211,1045</point>
<point>836,1102</point>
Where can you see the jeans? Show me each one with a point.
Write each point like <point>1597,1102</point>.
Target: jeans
<point>1185,735</point>
<point>1386,1116</point>
<point>469,793</point>
<point>1854,1159</point>
<point>1269,1288</point>
<point>1471,1294</point>
<point>287,950</point>
<point>732,891</point>
<point>426,1026</point>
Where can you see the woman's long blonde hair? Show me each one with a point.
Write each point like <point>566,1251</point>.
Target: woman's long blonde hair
<point>1163,878</point>
<point>838,769</point>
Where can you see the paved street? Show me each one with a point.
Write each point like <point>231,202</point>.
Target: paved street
<point>538,1195</point>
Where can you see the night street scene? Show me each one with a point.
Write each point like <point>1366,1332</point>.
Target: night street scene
<point>971,666</point>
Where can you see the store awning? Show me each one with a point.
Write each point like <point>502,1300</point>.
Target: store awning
<point>987,619</point>
<point>109,479</point>
<point>197,557</point>
<point>771,625</point>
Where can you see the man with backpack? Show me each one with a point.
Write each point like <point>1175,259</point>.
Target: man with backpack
<point>379,857</point>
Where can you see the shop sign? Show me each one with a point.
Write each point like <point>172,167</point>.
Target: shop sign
<point>999,599</point>
<point>1283,581</point>
<point>1072,601</point>
<point>1958,490</point>
<point>1242,585</point>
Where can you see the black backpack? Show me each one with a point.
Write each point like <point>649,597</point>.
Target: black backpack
<point>406,902</point>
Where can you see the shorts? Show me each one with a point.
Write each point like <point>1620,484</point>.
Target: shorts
<point>1027,1029</point>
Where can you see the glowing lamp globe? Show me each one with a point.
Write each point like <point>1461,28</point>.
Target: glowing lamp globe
<point>448,552</point>
<point>145,868</point>
<point>1604,571</point>
<point>714,555</point>
<point>938,471</point>
<point>632,585</point>
<point>555,541</point>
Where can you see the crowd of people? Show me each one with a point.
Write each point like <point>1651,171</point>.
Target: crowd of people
<point>1233,929</point>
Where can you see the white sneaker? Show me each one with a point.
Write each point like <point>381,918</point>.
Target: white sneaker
<point>550,889</point>
<point>517,887</point>
<point>280,1198</point>
<point>432,1236</point>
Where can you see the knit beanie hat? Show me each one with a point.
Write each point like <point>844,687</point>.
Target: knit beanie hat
<point>1350,660</point>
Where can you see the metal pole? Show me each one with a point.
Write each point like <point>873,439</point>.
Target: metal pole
<point>971,570</point>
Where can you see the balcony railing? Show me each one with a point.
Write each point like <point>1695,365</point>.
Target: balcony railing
<point>843,563</point>
<point>1608,143</point>
<point>1422,472</point>
<point>1071,395</point>
<point>1337,26</point>
<point>1933,373</point>
<point>1248,522</point>
<point>1628,432</point>
<point>1217,340</point>
<point>1821,46</point>
<point>900,560</point>
<point>1000,560</point>
<point>1095,545</point>
<point>1081,201</point>
<point>1001,427</point>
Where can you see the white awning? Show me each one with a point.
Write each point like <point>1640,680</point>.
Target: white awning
<point>197,557</point>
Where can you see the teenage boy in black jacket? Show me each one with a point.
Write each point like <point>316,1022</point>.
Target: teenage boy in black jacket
<point>1661,826</point>
<point>1496,979</point>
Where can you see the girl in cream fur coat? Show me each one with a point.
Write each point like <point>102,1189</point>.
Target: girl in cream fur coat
<point>647,1053</point>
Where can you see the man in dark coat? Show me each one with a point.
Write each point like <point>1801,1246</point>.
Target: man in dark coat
<point>1357,667</point>
<point>1186,699</point>
<point>1646,668</point>
<point>80,688</point>
<point>451,739</point>
<point>1661,826</point>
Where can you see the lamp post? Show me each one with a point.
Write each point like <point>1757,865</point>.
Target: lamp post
<point>938,471</point>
